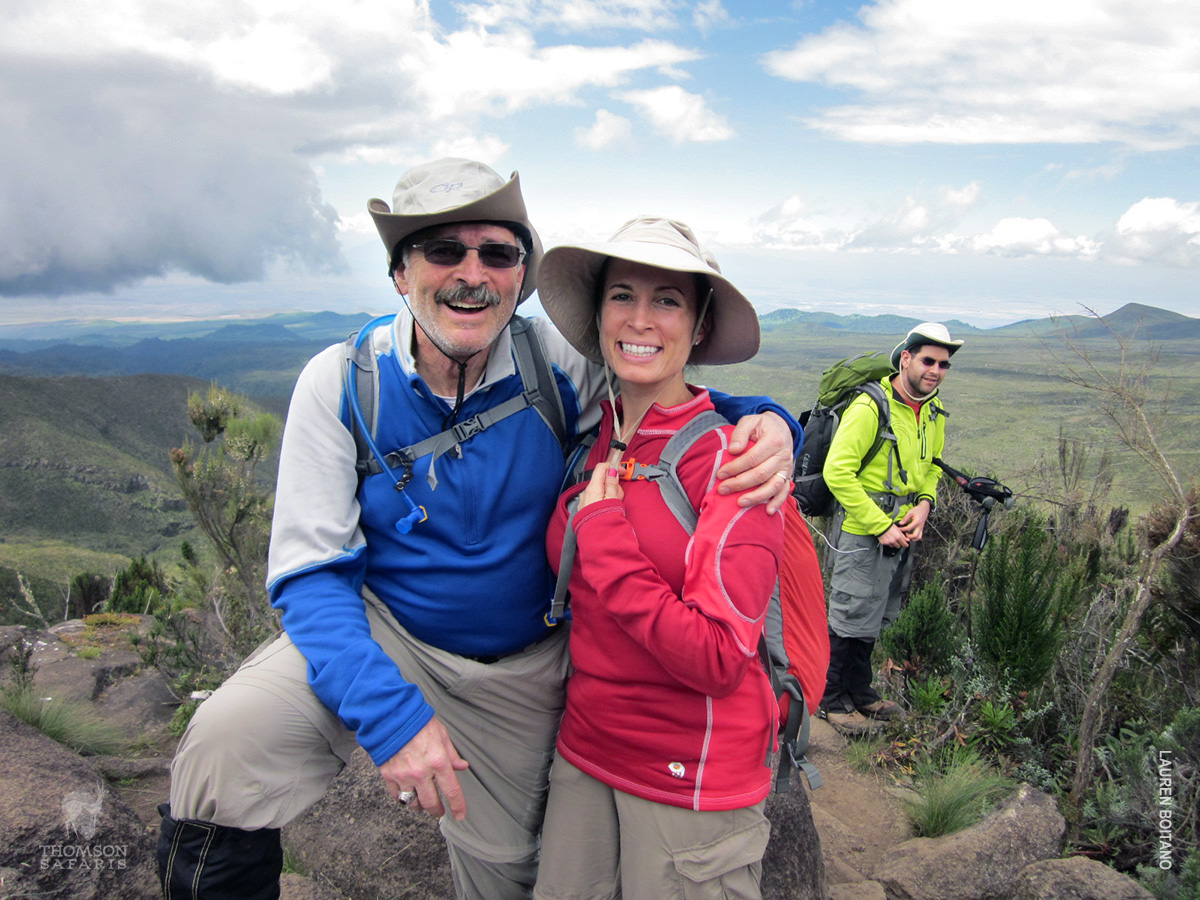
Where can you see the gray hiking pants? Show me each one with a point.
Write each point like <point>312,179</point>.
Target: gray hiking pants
<point>263,748</point>
<point>866,586</point>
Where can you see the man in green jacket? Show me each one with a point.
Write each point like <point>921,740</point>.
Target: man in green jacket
<point>883,512</point>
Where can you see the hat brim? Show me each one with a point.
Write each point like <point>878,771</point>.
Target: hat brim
<point>567,291</point>
<point>920,341</point>
<point>505,204</point>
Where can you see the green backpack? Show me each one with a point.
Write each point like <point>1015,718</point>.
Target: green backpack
<point>840,384</point>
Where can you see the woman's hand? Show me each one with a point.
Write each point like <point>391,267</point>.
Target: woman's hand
<point>604,485</point>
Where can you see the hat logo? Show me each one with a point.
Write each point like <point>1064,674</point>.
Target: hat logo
<point>446,187</point>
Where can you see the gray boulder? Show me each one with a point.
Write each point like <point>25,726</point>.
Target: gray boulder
<point>978,863</point>
<point>1076,878</point>
<point>793,868</point>
<point>67,835</point>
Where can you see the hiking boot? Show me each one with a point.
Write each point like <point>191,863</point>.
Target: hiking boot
<point>850,724</point>
<point>885,710</point>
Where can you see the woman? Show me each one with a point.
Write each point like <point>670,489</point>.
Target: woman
<point>663,758</point>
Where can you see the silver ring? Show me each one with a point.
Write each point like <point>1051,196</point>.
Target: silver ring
<point>406,797</point>
<point>781,475</point>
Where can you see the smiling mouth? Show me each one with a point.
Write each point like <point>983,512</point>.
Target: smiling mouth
<point>638,349</point>
<point>469,300</point>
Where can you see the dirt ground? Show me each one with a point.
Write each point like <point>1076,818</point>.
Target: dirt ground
<point>858,816</point>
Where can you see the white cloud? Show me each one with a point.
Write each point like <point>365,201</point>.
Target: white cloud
<point>1078,71</point>
<point>682,117</point>
<point>794,224</point>
<point>574,15</point>
<point>1157,230</point>
<point>918,221</point>
<point>710,14</point>
<point>607,130</point>
<point>183,136</point>
<point>1017,237</point>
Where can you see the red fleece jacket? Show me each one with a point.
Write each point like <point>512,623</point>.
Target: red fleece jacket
<point>668,700</point>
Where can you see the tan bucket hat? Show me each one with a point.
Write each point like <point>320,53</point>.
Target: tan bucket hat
<point>455,190</point>
<point>568,291</point>
<point>925,333</point>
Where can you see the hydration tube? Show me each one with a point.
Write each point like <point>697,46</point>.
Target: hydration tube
<point>416,514</point>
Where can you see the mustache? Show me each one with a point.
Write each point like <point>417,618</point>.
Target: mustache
<point>480,293</point>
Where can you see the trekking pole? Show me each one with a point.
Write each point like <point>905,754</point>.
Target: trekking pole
<point>984,491</point>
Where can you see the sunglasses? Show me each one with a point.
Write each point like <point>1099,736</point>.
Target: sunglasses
<point>929,362</point>
<point>493,254</point>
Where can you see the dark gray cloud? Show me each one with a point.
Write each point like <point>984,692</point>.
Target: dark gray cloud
<point>112,173</point>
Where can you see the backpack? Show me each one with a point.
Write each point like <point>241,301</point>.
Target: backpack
<point>840,384</point>
<point>361,393</point>
<point>794,647</point>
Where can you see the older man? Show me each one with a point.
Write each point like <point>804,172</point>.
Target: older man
<point>413,583</point>
<point>884,507</point>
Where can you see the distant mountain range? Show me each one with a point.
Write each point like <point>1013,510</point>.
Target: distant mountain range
<point>261,357</point>
<point>1132,319</point>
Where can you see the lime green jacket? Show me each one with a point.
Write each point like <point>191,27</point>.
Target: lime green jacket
<point>918,440</point>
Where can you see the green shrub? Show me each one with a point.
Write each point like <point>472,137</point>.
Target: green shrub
<point>1017,620</point>
<point>139,588</point>
<point>924,634</point>
<point>928,697</point>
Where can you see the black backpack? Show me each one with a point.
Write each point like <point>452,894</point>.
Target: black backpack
<point>840,384</point>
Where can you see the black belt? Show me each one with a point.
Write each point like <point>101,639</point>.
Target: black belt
<point>488,658</point>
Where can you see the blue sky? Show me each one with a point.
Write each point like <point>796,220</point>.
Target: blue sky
<point>989,162</point>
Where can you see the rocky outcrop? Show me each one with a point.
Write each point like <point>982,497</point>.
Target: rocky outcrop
<point>66,833</point>
<point>1076,878</point>
<point>978,863</point>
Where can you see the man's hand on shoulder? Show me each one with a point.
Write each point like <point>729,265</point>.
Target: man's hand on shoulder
<point>764,471</point>
<point>427,765</point>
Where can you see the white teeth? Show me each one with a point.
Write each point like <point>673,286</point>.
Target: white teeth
<point>638,349</point>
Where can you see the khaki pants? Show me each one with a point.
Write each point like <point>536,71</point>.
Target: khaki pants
<point>263,748</point>
<point>602,844</point>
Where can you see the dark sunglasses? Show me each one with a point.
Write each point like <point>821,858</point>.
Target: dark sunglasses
<point>929,362</point>
<point>493,254</point>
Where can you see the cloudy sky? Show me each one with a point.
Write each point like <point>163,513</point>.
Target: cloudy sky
<point>989,161</point>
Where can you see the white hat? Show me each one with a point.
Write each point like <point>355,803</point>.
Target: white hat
<point>925,333</point>
<point>568,291</point>
<point>456,190</point>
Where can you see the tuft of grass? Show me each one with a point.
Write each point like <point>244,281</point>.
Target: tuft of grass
<point>71,724</point>
<point>950,797</point>
<point>863,753</point>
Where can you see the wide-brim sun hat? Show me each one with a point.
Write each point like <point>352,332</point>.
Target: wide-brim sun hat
<point>925,333</point>
<point>568,291</point>
<point>454,190</point>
